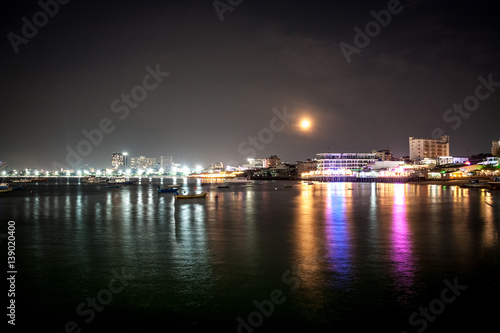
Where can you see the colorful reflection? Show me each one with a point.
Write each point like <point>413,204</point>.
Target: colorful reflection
<point>337,231</point>
<point>401,247</point>
<point>307,235</point>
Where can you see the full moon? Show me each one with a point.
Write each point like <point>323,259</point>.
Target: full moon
<point>305,124</point>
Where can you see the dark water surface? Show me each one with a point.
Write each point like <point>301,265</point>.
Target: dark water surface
<point>332,257</point>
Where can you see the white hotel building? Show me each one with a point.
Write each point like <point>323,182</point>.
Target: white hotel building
<point>344,161</point>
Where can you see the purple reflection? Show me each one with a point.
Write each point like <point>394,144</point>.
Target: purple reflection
<point>401,252</point>
<point>337,233</point>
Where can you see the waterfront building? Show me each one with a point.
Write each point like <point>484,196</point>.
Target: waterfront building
<point>166,163</point>
<point>273,161</point>
<point>493,160</point>
<point>344,161</point>
<point>495,147</point>
<point>383,165</point>
<point>257,163</point>
<point>216,167</point>
<point>383,155</point>
<point>307,166</point>
<point>142,162</point>
<point>443,160</point>
<point>429,148</point>
<point>117,160</point>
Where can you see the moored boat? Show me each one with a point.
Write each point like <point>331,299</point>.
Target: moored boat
<point>495,184</point>
<point>191,196</point>
<point>22,180</point>
<point>167,189</point>
<point>40,179</point>
<point>121,181</point>
<point>5,190</point>
<point>4,186</point>
<point>239,180</point>
<point>95,180</point>
<point>223,186</point>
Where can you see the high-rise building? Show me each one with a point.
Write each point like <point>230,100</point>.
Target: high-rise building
<point>142,162</point>
<point>117,160</point>
<point>166,163</point>
<point>495,147</point>
<point>429,148</point>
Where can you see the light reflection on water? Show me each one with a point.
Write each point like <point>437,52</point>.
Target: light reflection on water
<point>401,247</point>
<point>213,257</point>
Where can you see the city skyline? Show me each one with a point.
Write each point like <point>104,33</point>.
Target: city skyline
<point>204,84</point>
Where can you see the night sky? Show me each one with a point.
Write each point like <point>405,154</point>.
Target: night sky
<point>225,78</point>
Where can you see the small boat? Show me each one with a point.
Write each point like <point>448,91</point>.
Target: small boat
<point>4,186</point>
<point>475,184</point>
<point>114,186</point>
<point>247,185</point>
<point>22,180</point>
<point>167,189</point>
<point>191,196</point>
<point>18,188</point>
<point>172,186</point>
<point>287,186</point>
<point>121,181</point>
<point>239,180</point>
<point>95,180</point>
<point>5,190</point>
<point>40,179</point>
<point>223,186</point>
<point>495,184</point>
<point>310,183</point>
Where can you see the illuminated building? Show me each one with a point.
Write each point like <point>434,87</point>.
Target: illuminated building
<point>429,148</point>
<point>308,165</point>
<point>443,160</point>
<point>257,163</point>
<point>273,161</point>
<point>495,147</point>
<point>383,155</point>
<point>166,163</point>
<point>142,162</point>
<point>344,161</point>
<point>117,160</point>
